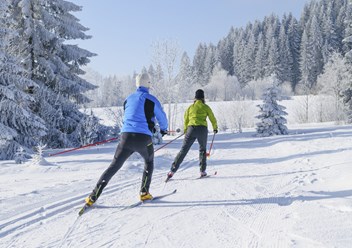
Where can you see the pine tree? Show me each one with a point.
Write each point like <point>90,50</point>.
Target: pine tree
<point>209,62</point>
<point>294,38</point>
<point>316,45</point>
<point>285,57</point>
<point>20,128</point>
<point>225,52</point>
<point>54,66</point>
<point>305,84</point>
<point>249,58</point>
<point>186,79</point>
<point>199,64</point>
<point>260,58</point>
<point>271,113</point>
<point>273,58</point>
<point>347,94</point>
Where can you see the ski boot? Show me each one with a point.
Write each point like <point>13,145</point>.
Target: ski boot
<point>145,196</point>
<point>90,200</point>
<point>203,174</point>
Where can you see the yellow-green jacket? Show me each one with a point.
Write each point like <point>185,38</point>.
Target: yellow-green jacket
<point>196,115</point>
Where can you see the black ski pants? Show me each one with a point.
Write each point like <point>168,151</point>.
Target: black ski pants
<point>129,143</point>
<point>199,133</point>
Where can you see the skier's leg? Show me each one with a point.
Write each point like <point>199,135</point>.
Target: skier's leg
<point>121,155</point>
<point>202,137</point>
<point>148,155</point>
<point>187,143</point>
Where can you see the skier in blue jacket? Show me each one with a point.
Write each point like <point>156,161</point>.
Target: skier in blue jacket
<point>141,111</point>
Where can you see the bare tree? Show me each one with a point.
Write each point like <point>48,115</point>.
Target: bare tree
<point>166,55</point>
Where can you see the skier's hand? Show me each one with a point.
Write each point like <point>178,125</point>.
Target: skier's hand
<point>163,132</point>
<point>215,131</point>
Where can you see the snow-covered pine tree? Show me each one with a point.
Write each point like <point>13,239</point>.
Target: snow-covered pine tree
<point>286,59</point>
<point>199,64</point>
<point>226,52</point>
<point>185,78</point>
<point>19,127</point>
<point>38,158</point>
<point>20,156</point>
<point>294,38</point>
<point>271,113</point>
<point>347,94</point>
<point>88,130</point>
<point>55,66</point>
<point>260,58</point>
<point>209,62</point>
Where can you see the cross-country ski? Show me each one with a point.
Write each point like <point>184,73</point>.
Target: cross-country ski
<point>155,198</point>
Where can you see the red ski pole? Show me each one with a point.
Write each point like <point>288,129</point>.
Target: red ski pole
<point>168,142</point>
<point>211,145</point>
<point>81,147</point>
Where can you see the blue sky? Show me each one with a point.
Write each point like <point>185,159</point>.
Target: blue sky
<point>123,31</point>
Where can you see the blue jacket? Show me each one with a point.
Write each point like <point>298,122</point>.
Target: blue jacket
<point>141,111</point>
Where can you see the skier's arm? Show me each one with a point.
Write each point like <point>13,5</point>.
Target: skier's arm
<point>160,116</point>
<point>212,118</point>
<point>186,117</point>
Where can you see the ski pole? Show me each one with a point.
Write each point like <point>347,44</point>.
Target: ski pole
<point>168,142</point>
<point>176,131</point>
<point>81,147</point>
<point>211,145</point>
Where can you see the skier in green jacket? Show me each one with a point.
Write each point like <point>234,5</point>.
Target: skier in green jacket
<point>195,127</point>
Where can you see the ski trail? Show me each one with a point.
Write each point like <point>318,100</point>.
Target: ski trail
<point>70,230</point>
<point>33,216</point>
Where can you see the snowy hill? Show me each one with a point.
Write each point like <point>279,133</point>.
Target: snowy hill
<point>283,191</point>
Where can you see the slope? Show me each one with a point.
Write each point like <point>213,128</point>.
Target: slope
<point>283,191</point>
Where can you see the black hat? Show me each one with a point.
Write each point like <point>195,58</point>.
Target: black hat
<point>199,94</point>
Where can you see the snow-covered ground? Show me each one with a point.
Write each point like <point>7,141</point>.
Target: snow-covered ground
<point>283,191</point>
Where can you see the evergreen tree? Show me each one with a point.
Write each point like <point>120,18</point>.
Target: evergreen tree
<point>199,64</point>
<point>316,45</point>
<point>209,62</point>
<point>186,79</point>
<point>347,94</point>
<point>294,39</point>
<point>329,32</point>
<point>285,58</point>
<point>348,38</point>
<point>260,58</point>
<point>238,55</point>
<point>225,52</point>
<point>305,84</point>
<point>44,26</point>
<point>271,113</point>
<point>273,58</point>
<point>20,128</point>
<point>249,58</point>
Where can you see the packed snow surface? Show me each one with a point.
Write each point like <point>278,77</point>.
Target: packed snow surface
<point>282,191</point>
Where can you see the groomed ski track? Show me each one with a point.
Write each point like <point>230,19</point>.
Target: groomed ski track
<point>283,191</point>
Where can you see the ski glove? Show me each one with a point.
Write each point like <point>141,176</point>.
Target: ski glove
<point>215,131</point>
<point>163,132</point>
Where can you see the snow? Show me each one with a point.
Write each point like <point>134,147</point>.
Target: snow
<point>283,191</point>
